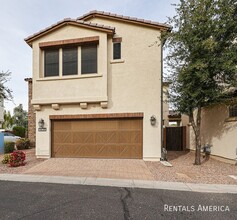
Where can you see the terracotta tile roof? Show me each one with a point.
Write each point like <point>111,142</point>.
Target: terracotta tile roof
<point>73,21</point>
<point>126,18</point>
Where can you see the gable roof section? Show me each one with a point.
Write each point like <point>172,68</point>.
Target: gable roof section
<point>148,23</point>
<point>69,21</point>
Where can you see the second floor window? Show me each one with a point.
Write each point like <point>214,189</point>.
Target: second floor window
<point>51,60</point>
<point>89,59</point>
<point>116,51</point>
<point>70,61</point>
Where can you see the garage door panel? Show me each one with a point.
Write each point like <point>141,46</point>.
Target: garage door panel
<point>83,125</point>
<point>107,138</point>
<point>63,137</point>
<point>130,136</point>
<point>62,149</point>
<point>62,125</point>
<point>130,124</point>
<point>105,125</point>
<point>83,137</point>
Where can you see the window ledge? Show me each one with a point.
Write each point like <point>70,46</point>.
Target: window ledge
<point>231,119</point>
<point>92,75</point>
<point>117,61</point>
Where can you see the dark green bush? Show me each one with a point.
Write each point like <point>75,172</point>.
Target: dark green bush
<point>22,144</point>
<point>9,147</point>
<point>19,131</point>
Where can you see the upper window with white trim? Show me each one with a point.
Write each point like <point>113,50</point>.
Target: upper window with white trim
<point>70,61</point>
<point>70,57</point>
<point>88,59</point>
<point>51,62</point>
<point>117,48</point>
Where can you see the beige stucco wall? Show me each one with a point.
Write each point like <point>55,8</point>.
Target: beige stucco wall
<point>132,85</point>
<point>56,90</point>
<point>218,132</point>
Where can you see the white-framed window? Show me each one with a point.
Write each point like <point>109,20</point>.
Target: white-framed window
<point>70,61</point>
<point>51,62</point>
<point>117,51</point>
<point>89,59</point>
<point>117,41</point>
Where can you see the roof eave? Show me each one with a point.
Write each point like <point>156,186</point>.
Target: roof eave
<point>161,27</point>
<point>33,37</point>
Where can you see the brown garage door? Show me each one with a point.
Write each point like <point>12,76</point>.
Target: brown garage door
<point>100,138</point>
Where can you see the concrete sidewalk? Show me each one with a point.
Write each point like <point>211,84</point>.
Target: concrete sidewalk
<point>210,188</point>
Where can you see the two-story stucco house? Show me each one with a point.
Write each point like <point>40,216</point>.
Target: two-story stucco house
<point>96,87</point>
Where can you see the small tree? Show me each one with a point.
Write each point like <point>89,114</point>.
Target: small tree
<point>8,120</point>
<point>202,57</point>
<point>20,116</point>
<point>5,92</point>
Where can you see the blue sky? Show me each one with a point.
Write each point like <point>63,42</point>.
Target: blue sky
<point>21,18</point>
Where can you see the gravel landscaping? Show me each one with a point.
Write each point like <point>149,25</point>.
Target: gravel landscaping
<point>183,170</point>
<point>31,161</point>
<point>211,171</point>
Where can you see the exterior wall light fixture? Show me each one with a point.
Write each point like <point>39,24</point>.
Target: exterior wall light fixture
<point>41,123</point>
<point>153,120</point>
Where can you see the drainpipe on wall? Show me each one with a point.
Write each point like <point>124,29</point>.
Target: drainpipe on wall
<point>161,105</point>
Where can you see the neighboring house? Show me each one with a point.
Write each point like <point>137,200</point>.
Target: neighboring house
<point>219,129</point>
<point>96,87</point>
<point>1,112</point>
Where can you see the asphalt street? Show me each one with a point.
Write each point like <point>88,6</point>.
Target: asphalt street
<point>22,200</point>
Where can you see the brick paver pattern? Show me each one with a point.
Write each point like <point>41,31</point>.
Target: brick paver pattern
<point>98,168</point>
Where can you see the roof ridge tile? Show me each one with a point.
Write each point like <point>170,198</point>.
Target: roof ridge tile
<point>124,17</point>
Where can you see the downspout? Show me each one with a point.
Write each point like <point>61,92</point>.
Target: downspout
<point>161,104</point>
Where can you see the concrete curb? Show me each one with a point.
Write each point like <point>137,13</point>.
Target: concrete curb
<point>191,187</point>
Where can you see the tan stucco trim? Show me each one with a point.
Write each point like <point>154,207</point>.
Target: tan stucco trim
<point>117,61</point>
<point>55,106</point>
<point>117,39</point>
<point>76,41</point>
<point>54,78</point>
<point>37,107</point>
<point>97,116</point>
<point>69,101</point>
<point>83,105</point>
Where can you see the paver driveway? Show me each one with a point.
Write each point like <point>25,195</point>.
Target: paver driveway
<point>99,168</point>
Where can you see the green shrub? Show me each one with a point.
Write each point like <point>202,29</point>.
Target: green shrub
<point>22,144</point>
<point>9,147</point>
<point>6,158</point>
<point>19,131</point>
